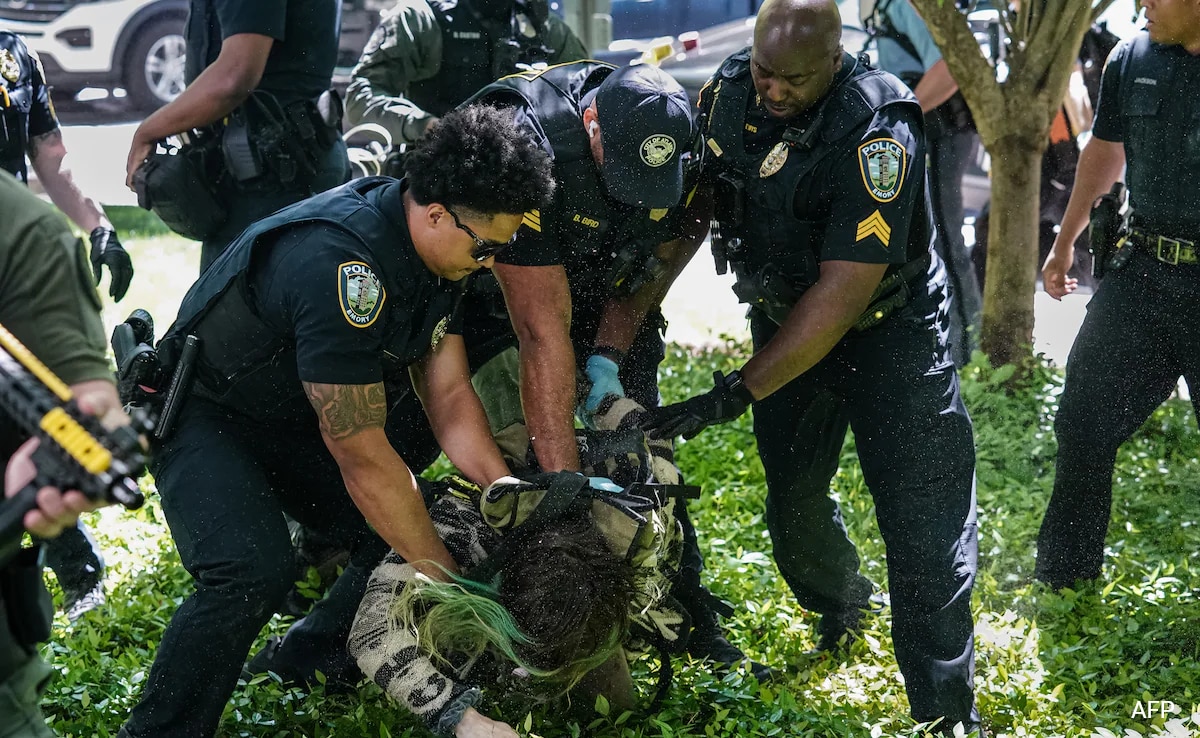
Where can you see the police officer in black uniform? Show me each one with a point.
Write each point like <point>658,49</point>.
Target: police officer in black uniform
<point>269,63</point>
<point>427,56</point>
<point>583,282</point>
<point>1140,333</point>
<point>317,308</point>
<point>821,209</point>
<point>30,128</point>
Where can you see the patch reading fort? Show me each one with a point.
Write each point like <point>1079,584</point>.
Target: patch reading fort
<point>360,293</point>
<point>883,162</point>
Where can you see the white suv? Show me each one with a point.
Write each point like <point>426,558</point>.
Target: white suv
<point>133,44</point>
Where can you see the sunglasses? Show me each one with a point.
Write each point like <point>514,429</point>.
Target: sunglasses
<point>484,249</point>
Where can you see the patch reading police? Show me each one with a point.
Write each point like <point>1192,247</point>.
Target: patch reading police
<point>883,162</point>
<point>9,68</point>
<point>657,149</point>
<point>360,293</point>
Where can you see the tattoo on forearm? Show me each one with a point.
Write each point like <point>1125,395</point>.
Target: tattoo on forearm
<point>346,409</point>
<point>37,143</point>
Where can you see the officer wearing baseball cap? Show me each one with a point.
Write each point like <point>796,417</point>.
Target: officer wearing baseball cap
<point>583,281</point>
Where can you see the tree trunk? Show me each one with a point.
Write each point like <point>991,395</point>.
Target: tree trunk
<point>1012,247</point>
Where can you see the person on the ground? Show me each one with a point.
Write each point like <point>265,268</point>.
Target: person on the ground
<point>48,301</point>
<point>261,71</point>
<point>565,608</point>
<point>582,285</point>
<point>427,56</point>
<point>304,325</point>
<point>1138,336</point>
<point>823,214</point>
<point>907,50</point>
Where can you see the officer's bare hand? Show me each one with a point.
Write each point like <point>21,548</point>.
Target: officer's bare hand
<point>475,725</point>
<point>1054,271</point>
<point>139,151</point>
<point>108,251</point>
<point>55,510</point>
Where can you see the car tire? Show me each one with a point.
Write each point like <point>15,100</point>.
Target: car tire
<point>154,66</point>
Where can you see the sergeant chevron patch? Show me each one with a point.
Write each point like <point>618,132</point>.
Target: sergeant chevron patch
<point>883,162</point>
<point>874,225</point>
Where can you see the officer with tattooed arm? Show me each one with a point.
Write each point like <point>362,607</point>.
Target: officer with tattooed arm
<point>316,309</point>
<point>818,165</point>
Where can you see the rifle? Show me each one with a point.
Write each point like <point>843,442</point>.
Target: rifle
<point>74,451</point>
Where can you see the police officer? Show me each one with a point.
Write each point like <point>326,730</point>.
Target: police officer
<point>1140,334</point>
<point>818,164</point>
<point>427,56</point>
<point>907,50</point>
<point>312,310</point>
<point>268,62</point>
<point>30,128</point>
<point>48,301</point>
<point>583,282</point>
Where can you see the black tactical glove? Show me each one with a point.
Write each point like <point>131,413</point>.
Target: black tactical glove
<point>724,402</point>
<point>106,249</point>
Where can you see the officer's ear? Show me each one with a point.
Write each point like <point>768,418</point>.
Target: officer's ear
<point>591,121</point>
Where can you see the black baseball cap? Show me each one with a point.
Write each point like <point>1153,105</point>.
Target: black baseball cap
<point>645,126</point>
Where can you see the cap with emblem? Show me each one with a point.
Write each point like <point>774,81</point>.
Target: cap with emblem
<point>645,126</point>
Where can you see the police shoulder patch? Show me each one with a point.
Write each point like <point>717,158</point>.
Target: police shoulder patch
<point>884,163</point>
<point>360,293</point>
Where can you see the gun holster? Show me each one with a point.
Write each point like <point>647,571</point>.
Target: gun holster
<point>178,183</point>
<point>26,601</point>
<point>769,290</point>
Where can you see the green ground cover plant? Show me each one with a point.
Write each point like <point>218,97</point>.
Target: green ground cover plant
<point>1103,661</point>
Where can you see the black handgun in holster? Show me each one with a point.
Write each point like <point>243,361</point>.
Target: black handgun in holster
<point>729,209</point>
<point>769,290</point>
<point>1108,233</point>
<point>144,380</point>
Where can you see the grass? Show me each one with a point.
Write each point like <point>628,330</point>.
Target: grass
<point>1076,664</point>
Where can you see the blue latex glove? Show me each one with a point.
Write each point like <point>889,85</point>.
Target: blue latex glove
<point>604,484</point>
<point>602,373</point>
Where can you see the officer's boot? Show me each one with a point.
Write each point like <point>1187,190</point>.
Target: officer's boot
<point>707,640</point>
<point>837,631</point>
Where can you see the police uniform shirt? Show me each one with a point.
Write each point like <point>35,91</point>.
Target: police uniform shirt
<point>27,113</point>
<point>348,322</point>
<point>865,192</point>
<point>1173,158</point>
<point>301,62</point>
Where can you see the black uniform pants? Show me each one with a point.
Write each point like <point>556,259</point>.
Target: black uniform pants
<point>225,485</point>
<point>950,153</point>
<point>1139,336</point>
<point>894,387</point>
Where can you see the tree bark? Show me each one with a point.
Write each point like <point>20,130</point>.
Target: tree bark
<point>1013,118</point>
<point>1012,246</point>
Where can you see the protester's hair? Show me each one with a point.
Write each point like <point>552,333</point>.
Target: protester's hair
<point>476,159</point>
<point>561,607</point>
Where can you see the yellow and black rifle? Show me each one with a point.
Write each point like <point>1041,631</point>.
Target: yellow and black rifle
<point>74,452</point>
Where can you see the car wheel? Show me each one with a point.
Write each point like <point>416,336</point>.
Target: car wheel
<point>154,67</point>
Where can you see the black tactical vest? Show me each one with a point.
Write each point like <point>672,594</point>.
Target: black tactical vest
<point>16,75</point>
<point>477,51</point>
<point>220,300</point>
<point>763,233</point>
<point>1161,126</point>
